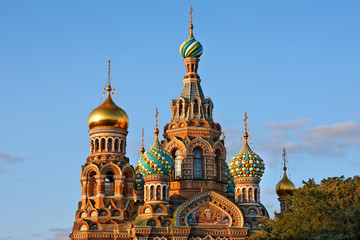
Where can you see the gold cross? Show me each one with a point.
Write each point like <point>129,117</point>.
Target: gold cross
<point>191,15</point>
<point>156,117</point>
<point>245,121</point>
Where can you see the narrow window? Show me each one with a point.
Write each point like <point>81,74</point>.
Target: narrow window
<point>217,164</point>
<point>109,145</point>
<point>116,145</point>
<point>151,193</point>
<point>164,193</point>
<point>109,184</point>
<point>244,195</point>
<point>198,163</point>
<point>102,145</point>
<point>92,186</point>
<point>96,145</point>
<point>176,156</point>
<point>180,108</point>
<point>196,107</point>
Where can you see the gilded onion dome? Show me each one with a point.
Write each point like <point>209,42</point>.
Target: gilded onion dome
<point>156,160</point>
<point>108,114</point>
<point>191,47</point>
<point>246,163</point>
<point>285,187</point>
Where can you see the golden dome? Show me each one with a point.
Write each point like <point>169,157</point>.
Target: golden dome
<point>108,114</point>
<point>285,187</point>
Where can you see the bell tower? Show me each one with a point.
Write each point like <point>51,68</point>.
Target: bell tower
<point>192,137</point>
<point>106,178</point>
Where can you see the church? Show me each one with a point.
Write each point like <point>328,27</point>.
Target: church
<point>182,187</point>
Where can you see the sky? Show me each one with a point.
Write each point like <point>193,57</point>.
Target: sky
<point>293,66</point>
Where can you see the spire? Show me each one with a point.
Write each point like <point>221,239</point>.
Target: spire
<point>142,142</point>
<point>191,22</point>
<point>284,158</point>
<point>156,126</point>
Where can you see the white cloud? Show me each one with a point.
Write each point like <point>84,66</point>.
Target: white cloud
<point>60,233</point>
<point>288,125</point>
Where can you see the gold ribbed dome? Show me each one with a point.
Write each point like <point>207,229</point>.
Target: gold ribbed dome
<point>285,187</point>
<point>108,114</point>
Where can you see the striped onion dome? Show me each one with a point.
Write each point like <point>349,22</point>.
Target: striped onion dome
<point>191,47</point>
<point>156,160</point>
<point>247,163</point>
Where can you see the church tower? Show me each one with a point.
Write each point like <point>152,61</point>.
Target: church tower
<point>106,178</point>
<point>284,188</point>
<point>247,168</point>
<point>192,137</point>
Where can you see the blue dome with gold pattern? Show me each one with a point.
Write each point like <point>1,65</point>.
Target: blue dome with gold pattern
<point>156,160</point>
<point>247,163</point>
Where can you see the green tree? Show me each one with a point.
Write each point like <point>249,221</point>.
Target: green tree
<point>329,210</point>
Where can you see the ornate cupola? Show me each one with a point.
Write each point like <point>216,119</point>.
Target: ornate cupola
<point>156,166</point>
<point>285,187</point>
<point>247,168</point>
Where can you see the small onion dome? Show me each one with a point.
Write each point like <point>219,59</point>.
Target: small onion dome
<point>156,160</point>
<point>285,187</point>
<point>246,163</point>
<point>108,114</point>
<point>191,47</point>
<point>230,186</point>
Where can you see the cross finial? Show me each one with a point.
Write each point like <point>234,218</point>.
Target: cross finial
<point>284,158</point>
<point>245,121</point>
<point>191,21</point>
<point>156,118</point>
<point>142,141</point>
<point>156,125</point>
<point>108,88</point>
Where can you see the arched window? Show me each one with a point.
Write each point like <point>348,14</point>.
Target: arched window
<point>121,145</point>
<point>102,145</point>
<point>256,195</point>
<point>198,163</point>
<point>109,183</point>
<point>109,145</point>
<point>250,193</point>
<point>158,192</point>
<point>180,108</point>
<point>94,227</point>
<point>96,145</point>
<point>166,223</point>
<point>92,186</point>
<point>164,193</point>
<point>91,145</point>
<point>238,195</point>
<point>116,145</point>
<point>116,213</point>
<point>151,223</point>
<point>244,195</point>
<point>151,193</point>
<point>176,156</point>
<point>217,164</point>
<point>103,213</point>
<point>196,107</point>
<point>147,193</point>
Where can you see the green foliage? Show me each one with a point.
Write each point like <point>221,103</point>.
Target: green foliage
<point>329,210</point>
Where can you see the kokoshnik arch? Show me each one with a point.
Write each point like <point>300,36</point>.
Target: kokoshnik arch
<point>182,187</point>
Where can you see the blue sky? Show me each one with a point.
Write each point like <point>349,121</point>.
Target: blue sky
<point>293,66</point>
